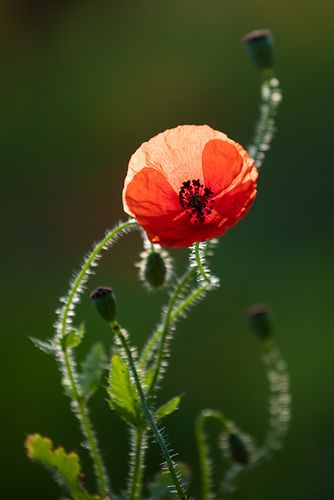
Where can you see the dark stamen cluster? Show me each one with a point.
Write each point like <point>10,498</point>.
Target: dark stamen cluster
<point>195,199</point>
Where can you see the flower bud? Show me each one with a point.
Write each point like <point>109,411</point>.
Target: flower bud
<point>259,47</point>
<point>104,301</point>
<point>238,449</point>
<point>260,321</point>
<point>155,270</point>
<point>155,266</point>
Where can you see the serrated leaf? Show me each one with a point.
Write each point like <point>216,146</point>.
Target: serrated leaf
<point>43,345</point>
<point>168,408</point>
<point>92,369</point>
<point>74,338</point>
<point>122,393</point>
<point>65,465</point>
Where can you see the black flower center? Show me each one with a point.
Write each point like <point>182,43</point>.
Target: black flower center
<point>196,200</point>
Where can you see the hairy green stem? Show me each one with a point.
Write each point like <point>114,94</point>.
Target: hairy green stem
<point>199,263</point>
<point>271,97</point>
<point>86,426</point>
<point>148,414</point>
<point>136,474</point>
<point>193,296</point>
<point>157,334</point>
<point>67,361</point>
<point>81,277</point>
<point>204,452</point>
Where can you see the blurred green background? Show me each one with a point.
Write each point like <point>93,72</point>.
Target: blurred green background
<point>82,85</point>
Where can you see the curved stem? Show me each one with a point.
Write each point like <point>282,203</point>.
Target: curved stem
<point>81,278</point>
<point>271,97</point>
<point>67,362</point>
<point>203,450</point>
<point>149,417</point>
<point>279,411</point>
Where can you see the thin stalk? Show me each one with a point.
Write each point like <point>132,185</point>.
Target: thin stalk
<point>86,427</point>
<point>188,301</point>
<point>67,361</point>
<point>81,277</point>
<point>149,417</point>
<point>136,476</point>
<point>157,334</point>
<point>199,263</point>
<point>171,317</point>
<point>204,452</point>
<point>271,96</point>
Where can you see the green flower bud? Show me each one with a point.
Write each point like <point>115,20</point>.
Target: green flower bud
<point>259,47</point>
<point>104,301</point>
<point>259,317</point>
<point>155,266</point>
<point>238,449</point>
<point>155,270</point>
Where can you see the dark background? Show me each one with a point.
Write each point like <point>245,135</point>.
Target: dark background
<point>82,85</point>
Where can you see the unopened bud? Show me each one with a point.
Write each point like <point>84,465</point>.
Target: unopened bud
<point>238,449</point>
<point>260,320</point>
<point>104,301</point>
<point>259,47</point>
<point>155,266</point>
<point>155,270</point>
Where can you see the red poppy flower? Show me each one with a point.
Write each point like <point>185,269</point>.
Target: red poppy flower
<point>188,184</point>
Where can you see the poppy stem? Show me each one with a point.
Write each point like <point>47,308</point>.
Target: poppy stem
<point>136,469</point>
<point>148,414</point>
<point>152,343</point>
<point>67,361</point>
<point>279,411</point>
<point>198,250</point>
<point>271,96</point>
<point>205,462</point>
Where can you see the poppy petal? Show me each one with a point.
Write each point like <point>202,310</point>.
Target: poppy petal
<point>234,205</point>
<point>223,162</point>
<point>149,193</point>
<point>177,153</point>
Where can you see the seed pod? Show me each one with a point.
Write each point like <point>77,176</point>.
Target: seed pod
<point>259,47</point>
<point>238,449</point>
<point>259,317</point>
<point>104,301</point>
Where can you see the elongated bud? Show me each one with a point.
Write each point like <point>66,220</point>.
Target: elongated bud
<point>155,266</point>
<point>259,317</point>
<point>238,449</point>
<point>155,270</point>
<point>259,47</point>
<point>104,301</point>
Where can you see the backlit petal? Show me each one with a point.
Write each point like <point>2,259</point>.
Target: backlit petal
<point>149,193</point>
<point>177,153</point>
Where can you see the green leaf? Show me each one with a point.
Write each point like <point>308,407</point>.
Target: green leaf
<point>168,408</point>
<point>74,338</point>
<point>92,369</point>
<point>122,392</point>
<point>46,346</point>
<point>66,466</point>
